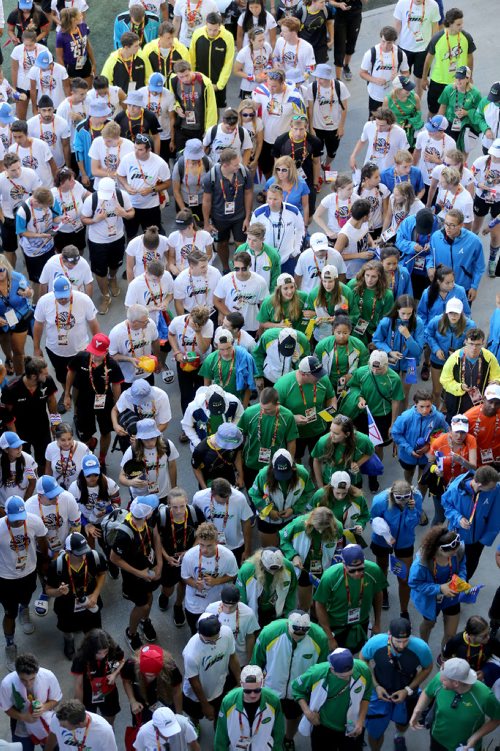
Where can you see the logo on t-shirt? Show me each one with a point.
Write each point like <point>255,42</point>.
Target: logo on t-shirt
<point>30,161</point>
<point>65,321</point>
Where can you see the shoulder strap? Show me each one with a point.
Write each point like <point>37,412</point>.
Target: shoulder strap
<point>315,90</point>
<point>337,91</point>
<point>25,206</point>
<point>192,514</point>
<point>59,562</point>
<point>119,195</point>
<point>94,201</point>
<point>241,134</point>
<point>162,514</point>
<point>212,176</point>
<point>373,56</point>
<point>400,57</point>
<point>213,131</point>
<point>96,558</point>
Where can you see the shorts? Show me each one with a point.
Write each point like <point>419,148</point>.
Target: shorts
<point>304,580</point>
<point>330,141</point>
<point>220,98</point>
<point>24,91</point>
<point>86,419</point>
<point>84,72</point>
<point>381,713</point>
<point>9,236</point>
<point>225,228</point>
<point>137,590</point>
<point>452,610</point>
<point>15,592</point>
<point>291,709</point>
<point>63,239</point>
<point>433,93</point>
<point>416,62</point>
<point>24,325</point>
<point>69,622</point>
<point>34,265</point>
<point>482,208</point>
<point>380,551</point>
<point>170,575</point>
<point>193,708</point>
<point>269,528</point>
<point>110,707</point>
<point>436,365</point>
<point>409,467</point>
<point>104,258</point>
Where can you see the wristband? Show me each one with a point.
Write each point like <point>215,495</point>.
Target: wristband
<point>250,78</point>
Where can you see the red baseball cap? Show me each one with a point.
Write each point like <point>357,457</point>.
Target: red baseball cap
<point>99,345</point>
<point>151,659</point>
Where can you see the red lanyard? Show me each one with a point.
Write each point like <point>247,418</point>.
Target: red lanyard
<point>129,332</point>
<point>474,507</point>
<point>275,430</point>
<point>42,131</point>
<point>216,572</point>
<point>28,62</point>
<point>42,87</point>
<point>64,207</point>
<point>106,158</point>
<point>70,575</point>
<point>237,614</point>
<point>106,376</point>
<point>459,50</point>
<point>195,294</point>
<point>296,53</point>
<point>435,570</point>
<point>58,518</point>
<point>315,387</point>
<point>157,103</point>
<point>163,61</point>
<point>235,186</point>
<point>337,212</point>
<point>253,733</point>
<point>184,527</point>
<point>305,153</point>
<point>184,98</point>
<point>393,67</point>
<point>66,462</point>
<point>154,297</point>
<point>198,181</point>
<point>133,135</point>
<point>479,370</point>
<point>139,532</point>
<point>79,48</point>
<point>192,14</point>
<point>231,368</point>
<point>387,142</point>
<point>373,306</point>
<point>348,591</point>
<point>13,539</point>
<point>212,511</point>
<point>459,190</point>
<point>80,746</point>
<point>409,13</point>
<point>129,67</point>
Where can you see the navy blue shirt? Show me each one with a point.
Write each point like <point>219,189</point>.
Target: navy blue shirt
<point>396,670</point>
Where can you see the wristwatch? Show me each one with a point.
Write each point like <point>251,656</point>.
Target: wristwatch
<point>409,691</point>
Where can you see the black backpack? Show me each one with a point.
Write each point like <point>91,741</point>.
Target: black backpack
<point>337,91</point>
<point>181,164</point>
<point>60,560</point>
<point>373,57</point>
<point>213,131</point>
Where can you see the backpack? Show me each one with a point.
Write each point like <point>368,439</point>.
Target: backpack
<point>303,13</point>
<point>213,131</point>
<point>119,196</point>
<point>162,515</point>
<point>181,164</point>
<point>337,91</point>
<point>242,169</point>
<point>61,556</point>
<point>373,57</point>
<point>113,523</point>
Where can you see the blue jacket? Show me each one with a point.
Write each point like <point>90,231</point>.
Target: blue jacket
<point>448,342</point>
<point>82,142</point>
<point>465,256</point>
<point>425,587</point>
<point>387,338</point>
<point>410,426</point>
<point>438,307</point>
<point>458,502</point>
<point>122,24</point>
<point>245,369</point>
<point>402,282</point>
<point>406,238</point>
<point>494,338</point>
<point>402,523</point>
<point>20,305</point>
<point>415,178</point>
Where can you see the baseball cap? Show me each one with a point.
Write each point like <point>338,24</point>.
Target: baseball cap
<point>312,366</point>
<point>494,93</point>
<point>494,149</point>
<point>193,149</point>
<point>229,436</point>
<point>187,221</point>
<point>10,440</point>
<point>323,70</point>
<point>457,669</point>
<point>47,485</point>
<point>282,464</point>
<point>454,305</point>
<point>272,558</point>
<point>165,721</point>
<point>6,116</point>
<point>140,390</point>
<point>62,287</point>
<point>135,98</point>
<point>15,509</point>
<point>208,624</point>
<point>340,479</point>
<point>106,189</point>
<point>99,345</point>
<point>147,428</point>
<point>151,659</point>
<point>424,221</point>
<point>402,82</point>
<point>463,72</point>
<point>378,358</point>
<point>230,594</point>
<point>90,465</point>
<point>77,544</point>
<point>224,335</point>
<point>460,423</point>
<point>44,59</point>
<point>341,660</point>
<point>329,272</point>
<point>215,399</point>
<point>318,241</point>
<point>25,4</point>
<point>156,82</point>
<point>99,109</point>
<point>287,341</point>
<point>400,628</point>
<point>437,124</point>
<point>284,279</point>
<point>143,506</point>
<point>492,391</point>
<point>353,556</point>
<point>252,674</point>
<point>299,621</point>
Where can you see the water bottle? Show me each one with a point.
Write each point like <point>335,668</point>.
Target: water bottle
<point>349,727</point>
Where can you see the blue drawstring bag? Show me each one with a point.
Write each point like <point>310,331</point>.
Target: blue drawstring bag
<point>411,373</point>
<point>373,467</point>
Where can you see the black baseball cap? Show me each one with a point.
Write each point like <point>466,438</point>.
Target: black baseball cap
<point>494,95</point>
<point>208,624</point>
<point>424,221</point>
<point>216,404</point>
<point>400,628</point>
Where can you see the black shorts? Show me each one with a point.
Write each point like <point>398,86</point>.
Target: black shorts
<point>380,551</point>
<point>220,98</point>
<point>60,365</point>
<point>433,93</point>
<point>452,610</point>
<point>170,575</point>
<point>86,419</point>
<point>269,528</point>
<point>82,622</point>
<point>304,580</point>
<point>34,265</point>
<point>24,91</point>
<point>137,590</point>
<point>416,62</point>
<point>482,208</point>
<point>407,466</point>
<point>225,228</point>
<point>9,236</point>
<point>63,239</point>
<point>106,257</point>
<point>330,141</point>
<point>84,72</point>
<point>15,592</point>
<point>25,325</point>
<point>291,709</point>
<point>110,707</point>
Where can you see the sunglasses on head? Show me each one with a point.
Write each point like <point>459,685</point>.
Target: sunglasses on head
<point>451,545</point>
<point>275,75</point>
<point>141,138</point>
<point>456,701</point>
<point>299,118</point>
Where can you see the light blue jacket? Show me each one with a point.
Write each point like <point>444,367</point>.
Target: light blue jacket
<point>458,502</point>
<point>494,337</point>
<point>426,588</point>
<point>245,369</point>
<point>387,338</point>
<point>448,342</point>
<point>410,426</point>
<point>465,256</point>
<point>122,24</point>
<point>406,238</point>
<point>438,307</point>
<point>402,282</point>
<point>402,523</point>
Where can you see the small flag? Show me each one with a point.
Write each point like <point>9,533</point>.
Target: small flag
<point>373,431</point>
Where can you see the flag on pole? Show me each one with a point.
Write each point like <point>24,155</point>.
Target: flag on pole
<point>373,431</point>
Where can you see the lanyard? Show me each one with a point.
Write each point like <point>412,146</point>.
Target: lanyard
<point>128,67</point>
<point>474,507</point>
<point>204,291</point>
<point>81,745</point>
<point>216,572</point>
<point>387,142</point>
<point>305,153</point>
<point>459,49</point>
<point>85,576</point>
<point>393,66</point>
<point>107,157</point>
<point>275,430</point>
<point>159,745</point>
<point>133,135</point>
<point>139,532</point>
<point>155,296</point>
<point>58,518</point>
<point>191,14</point>
<point>479,657</point>
<point>157,472</point>
<point>234,185</point>
<point>139,30</point>
<point>157,103</point>
<point>28,61</point>
<point>276,240</point>
<point>191,97</point>
<point>348,591</point>
<point>472,367</point>
<point>53,139</point>
<point>184,527</point>
<point>373,306</point>
<point>6,297</point>
<point>459,190</point>
<point>315,387</point>
<point>337,211</point>
<point>296,61</point>
<point>198,182</point>
<point>13,539</point>
<point>231,368</point>
<point>478,423</point>
<point>66,210</point>
<point>68,324</point>
<point>106,376</point>
<point>219,453</point>
<point>253,733</point>
<point>435,570</point>
<point>164,61</point>
<point>183,335</point>
<point>129,332</point>
<point>42,87</point>
<point>237,614</point>
<point>79,43</point>
<point>409,13</point>
<point>66,462</point>
<point>212,511</point>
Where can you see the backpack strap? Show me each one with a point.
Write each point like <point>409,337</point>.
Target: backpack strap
<point>337,91</point>
<point>25,206</point>
<point>373,57</point>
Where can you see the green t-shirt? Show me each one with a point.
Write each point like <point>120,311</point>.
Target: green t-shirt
<point>378,391</point>
<point>337,462</point>
<point>452,727</point>
<point>314,399</point>
<point>453,100</point>
<point>371,309</point>
<point>222,372</point>
<point>332,593</point>
<point>259,431</point>
<point>341,359</point>
<point>450,52</point>
<point>267,312</point>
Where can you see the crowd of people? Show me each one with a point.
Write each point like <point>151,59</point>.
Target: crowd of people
<point>301,331</point>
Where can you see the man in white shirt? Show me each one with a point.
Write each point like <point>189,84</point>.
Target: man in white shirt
<point>33,153</point>
<point>48,77</point>
<point>71,264</point>
<point>312,261</point>
<point>161,102</point>
<point>131,339</point>
<point>228,134</point>
<point>228,510</point>
<point>17,183</point>
<point>196,284</point>
<point>380,65</point>
<point>284,227</point>
<point>154,289</point>
<point>383,137</point>
<point>291,52</point>
<point>52,130</point>
<point>240,618</point>
<point>208,657</point>
<point>166,730</point>
<point>72,727</point>
<point>416,22</point>
<point>242,290</point>
<point>74,108</point>
<point>190,16</point>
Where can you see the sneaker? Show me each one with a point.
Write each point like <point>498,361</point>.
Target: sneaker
<point>134,641</point>
<point>114,286</point>
<point>179,616</point>
<point>60,406</point>
<point>385,600</point>
<point>104,305</point>
<point>69,648</point>
<point>163,602</point>
<point>10,657</point>
<point>25,620</point>
<point>492,265</point>
<point>405,614</point>
<point>288,744</point>
<point>425,372</point>
<point>148,630</point>
<point>42,605</point>
<point>399,743</point>
<point>183,438</point>
<point>347,73</point>
<point>373,483</point>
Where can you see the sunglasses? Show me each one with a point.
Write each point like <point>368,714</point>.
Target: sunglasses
<point>300,629</point>
<point>456,701</point>
<point>281,169</point>
<point>451,545</point>
<point>247,114</point>
<point>406,497</point>
<point>275,76</point>
<point>2,269</point>
<point>252,690</point>
<point>358,570</point>
<point>141,138</point>
<point>70,260</point>
<point>232,121</point>
<point>240,268</point>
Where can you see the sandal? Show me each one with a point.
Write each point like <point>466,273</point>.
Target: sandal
<point>42,605</point>
<point>9,367</point>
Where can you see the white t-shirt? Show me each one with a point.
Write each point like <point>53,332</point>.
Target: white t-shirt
<point>309,267</point>
<point>95,508</point>
<point>100,735</point>
<point>431,146</point>
<point>71,203</point>
<point>196,290</point>
<point>142,256</point>
<point>243,296</point>
<point>147,741</point>
<point>13,192</point>
<point>51,134</point>
<point>270,24</point>
<point>385,66</point>
<point>19,560</point>
<point>153,293</point>
<point>327,111</point>
<point>45,688</point>
<point>221,140</point>
<point>194,567</point>
<point>9,485</point>
<point>375,196</point>
<point>81,5</point>
<point>357,243</point>
<point>57,518</point>
<point>37,156</point>
<point>26,59</point>
<point>277,110</point>
<point>111,228</point>
<point>467,176</point>
<point>133,344</point>
<point>49,82</point>
<point>416,27</point>
<point>299,56</point>
<point>153,6</point>
<point>252,64</point>
<point>209,662</point>
<point>486,174</point>
<point>66,331</point>
<point>65,468</point>
<point>198,15</point>
<point>186,338</point>
<point>66,109</point>
<point>462,201</point>
<point>109,157</point>
<point>246,624</point>
<point>398,215</point>
<point>182,245</point>
<point>338,212</point>
<point>144,174</point>
<point>382,147</point>
<point>160,104</point>
<point>156,470</point>
<point>79,275</point>
<point>157,406</point>
<point>226,517</point>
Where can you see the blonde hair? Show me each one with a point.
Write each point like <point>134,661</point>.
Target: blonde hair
<point>261,571</point>
<point>402,156</point>
<point>451,176</point>
<point>207,532</point>
<point>111,130</point>
<point>5,264</point>
<point>288,162</point>
<point>325,515</point>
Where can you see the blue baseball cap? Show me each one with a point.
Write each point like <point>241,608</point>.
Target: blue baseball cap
<point>62,287</point>
<point>140,390</point>
<point>341,660</point>
<point>90,465</point>
<point>25,4</point>
<point>437,124</point>
<point>156,82</point>
<point>353,556</point>
<point>10,440</point>
<point>44,60</point>
<point>6,116</point>
<point>46,485</point>
<point>15,509</point>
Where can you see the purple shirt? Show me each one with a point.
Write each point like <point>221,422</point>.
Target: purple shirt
<point>74,46</point>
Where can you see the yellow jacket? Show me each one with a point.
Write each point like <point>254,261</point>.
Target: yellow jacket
<point>150,52</point>
<point>213,57</point>
<point>450,374</point>
<point>211,117</point>
<point>108,69</point>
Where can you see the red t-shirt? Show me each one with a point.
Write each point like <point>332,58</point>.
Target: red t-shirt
<point>451,467</point>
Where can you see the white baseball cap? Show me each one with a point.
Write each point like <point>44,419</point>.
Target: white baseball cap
<point>318,241</point>
<point>454,305</point>
<point>340,478</point>
<point>492,391</point>
<point>330,272</point>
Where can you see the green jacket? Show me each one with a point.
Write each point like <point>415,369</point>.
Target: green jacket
<point>294,541</point>
<point>298,498</point>
<point>268,727</point>
<point>268,361</point>
<point>252,594</point>
<point>339,361</point>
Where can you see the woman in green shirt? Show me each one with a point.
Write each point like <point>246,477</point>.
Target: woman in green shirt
<point>344,448</point>
<point>405,104</point>
<point>341,354</point>
<point>329,298</point>
<point>458,103</point>
<point>341,496</point>
<point>285,307</point>
<point>373,298</point>
<point>310,542</point>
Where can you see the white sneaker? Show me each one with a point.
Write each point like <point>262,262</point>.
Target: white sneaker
<point>10,656</point>
<point>25,619</point>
